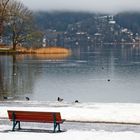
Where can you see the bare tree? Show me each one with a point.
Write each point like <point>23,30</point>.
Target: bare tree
<point>3,14</point>
<point>20,23</point>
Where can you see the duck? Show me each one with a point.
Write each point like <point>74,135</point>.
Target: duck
<point>7,98</point>
<point>108,80</point>
<point>27,98</point>
<point>76,101</point>
<point>59,99</point>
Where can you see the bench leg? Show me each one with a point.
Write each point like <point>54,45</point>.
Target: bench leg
<point>14,125</point>
<point>15,122</point>
<point>13,129</point>
<point>19,125</point>
<point>55,126</point>
<point>59,128</point>
<point>55,123</point>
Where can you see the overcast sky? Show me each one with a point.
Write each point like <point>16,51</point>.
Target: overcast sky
<point>111,6</point>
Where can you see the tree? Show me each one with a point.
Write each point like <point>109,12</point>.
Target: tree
<point>35,38</point>
<point>20,23</point>
<point>3,15</point>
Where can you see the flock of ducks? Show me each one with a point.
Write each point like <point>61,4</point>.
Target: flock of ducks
<point>61,99</point>
<point>27,99</point>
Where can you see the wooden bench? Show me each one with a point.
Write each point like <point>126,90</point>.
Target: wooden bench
<point>30,116</point>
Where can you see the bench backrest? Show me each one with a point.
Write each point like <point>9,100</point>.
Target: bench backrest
<point>30,116</point>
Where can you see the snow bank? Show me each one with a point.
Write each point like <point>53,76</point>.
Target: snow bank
<point>85,112</point>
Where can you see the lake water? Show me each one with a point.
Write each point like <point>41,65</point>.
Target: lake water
<point>95,74</point>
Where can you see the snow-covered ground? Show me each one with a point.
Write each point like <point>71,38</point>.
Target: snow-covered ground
<point>83,112</point>
<point>77,114</point>
<point>69,135</point>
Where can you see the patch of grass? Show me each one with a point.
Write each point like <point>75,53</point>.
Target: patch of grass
<point>52,50</point>
<point>49,50</point>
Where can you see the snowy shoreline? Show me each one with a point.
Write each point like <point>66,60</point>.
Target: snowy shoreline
<point>81,112</point>
<point>124,113</point>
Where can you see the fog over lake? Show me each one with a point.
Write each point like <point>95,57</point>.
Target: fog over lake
<point>106,6</point>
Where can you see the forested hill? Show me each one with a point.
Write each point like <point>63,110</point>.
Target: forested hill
<point>60,20</point>
<point>129,20</point>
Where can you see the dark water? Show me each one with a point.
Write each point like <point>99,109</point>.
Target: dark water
<point>97,74</point>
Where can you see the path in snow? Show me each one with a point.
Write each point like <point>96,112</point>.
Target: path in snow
<point>77,126</point>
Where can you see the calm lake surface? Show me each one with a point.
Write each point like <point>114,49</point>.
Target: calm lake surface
<point>95,74</point>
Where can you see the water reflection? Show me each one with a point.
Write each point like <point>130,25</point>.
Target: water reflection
<point>2,90</point>
<point>91,74</point>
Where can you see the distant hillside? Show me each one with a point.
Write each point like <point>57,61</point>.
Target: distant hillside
<point>59,20</point>
<point>129,20</point>
<point>79,28</point>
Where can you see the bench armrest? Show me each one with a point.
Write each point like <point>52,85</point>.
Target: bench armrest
<point>63,120</point>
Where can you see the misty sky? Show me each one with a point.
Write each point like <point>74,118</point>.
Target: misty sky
<point>111,6</point>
